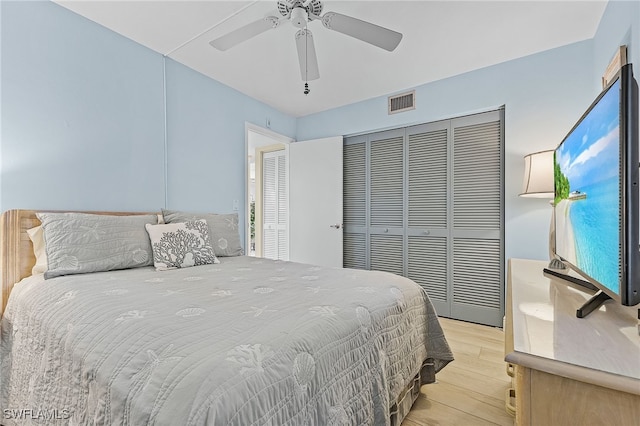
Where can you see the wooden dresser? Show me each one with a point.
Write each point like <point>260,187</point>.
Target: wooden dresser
<point>566,370</point>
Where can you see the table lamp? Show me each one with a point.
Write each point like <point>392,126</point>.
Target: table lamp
<point>538,182</point>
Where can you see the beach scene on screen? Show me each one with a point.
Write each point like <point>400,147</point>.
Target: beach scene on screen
<point>587,195</point>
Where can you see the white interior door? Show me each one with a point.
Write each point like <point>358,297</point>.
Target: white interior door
<point>274,206</point>
<point>315,201</point>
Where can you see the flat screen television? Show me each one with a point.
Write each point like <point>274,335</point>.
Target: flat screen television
<point>597,202</point>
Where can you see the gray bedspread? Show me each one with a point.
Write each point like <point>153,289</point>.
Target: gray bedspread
<point>247,342</point>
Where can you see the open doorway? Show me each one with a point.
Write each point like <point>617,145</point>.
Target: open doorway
<point>263,143</point>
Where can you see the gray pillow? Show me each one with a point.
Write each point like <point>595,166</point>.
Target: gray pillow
<point>77,243</point>
<point>223,229</point>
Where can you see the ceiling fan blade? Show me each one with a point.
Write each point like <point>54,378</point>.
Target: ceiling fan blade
<point>366,31</point>
<point>307,55</point>
<point>241,34</point>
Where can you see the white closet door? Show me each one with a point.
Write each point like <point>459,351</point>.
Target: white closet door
<point>275,241</point>
<point>315,201</point>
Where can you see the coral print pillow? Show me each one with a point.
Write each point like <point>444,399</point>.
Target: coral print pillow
<point>181,245</point>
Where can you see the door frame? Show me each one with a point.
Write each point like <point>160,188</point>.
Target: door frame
<point>272,141</point>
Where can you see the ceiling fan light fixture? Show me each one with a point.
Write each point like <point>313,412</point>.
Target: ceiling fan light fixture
<point>313,7</point>
<point>299,17</point>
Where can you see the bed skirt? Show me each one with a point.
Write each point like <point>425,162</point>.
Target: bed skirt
<point>410,394</point>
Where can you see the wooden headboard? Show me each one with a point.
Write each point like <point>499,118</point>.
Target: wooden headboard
<point>16,251</point>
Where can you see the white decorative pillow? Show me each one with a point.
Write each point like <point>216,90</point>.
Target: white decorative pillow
<point>181,245</point>
<point>36,235</point>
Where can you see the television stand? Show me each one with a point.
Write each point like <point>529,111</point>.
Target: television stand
<point>590,305</point>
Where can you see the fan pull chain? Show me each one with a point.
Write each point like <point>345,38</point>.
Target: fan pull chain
<point>306,60</point>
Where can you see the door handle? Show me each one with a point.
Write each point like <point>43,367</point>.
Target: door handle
<point>336,226</point>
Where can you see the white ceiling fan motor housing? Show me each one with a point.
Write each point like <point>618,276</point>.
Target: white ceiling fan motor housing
<point>299,17</point>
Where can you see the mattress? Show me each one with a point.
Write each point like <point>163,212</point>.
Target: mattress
<point>246,342</point>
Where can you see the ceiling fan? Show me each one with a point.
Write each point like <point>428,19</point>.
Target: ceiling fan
<point>300,13</point>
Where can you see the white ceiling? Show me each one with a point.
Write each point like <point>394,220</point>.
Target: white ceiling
<point>441,39</point>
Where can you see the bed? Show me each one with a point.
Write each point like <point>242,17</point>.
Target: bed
<point>247,341</point>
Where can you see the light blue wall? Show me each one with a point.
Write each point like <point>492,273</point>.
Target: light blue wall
<point>543,95</point>
<point>620,25</point>
<point>82,114</point>
<point>206,134</point>
<point>83,121</point>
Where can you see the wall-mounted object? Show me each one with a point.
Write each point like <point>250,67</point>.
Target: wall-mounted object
<point>619,59</point>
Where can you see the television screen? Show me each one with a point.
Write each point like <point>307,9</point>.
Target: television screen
<point>587,196</point>
<point>597,201</point>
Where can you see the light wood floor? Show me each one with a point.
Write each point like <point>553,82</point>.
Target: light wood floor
<point>471,389</point>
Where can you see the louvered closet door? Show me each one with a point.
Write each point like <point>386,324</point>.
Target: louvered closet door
<point>283,238</point>
<point>427,202</point>
<point>427,207</point>
<point>275,239</point>
<point>477,269</point>
<point>386,202</point>
<point>355,203</point>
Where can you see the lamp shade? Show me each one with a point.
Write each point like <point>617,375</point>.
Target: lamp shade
<point>538,175</point>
